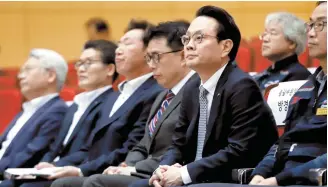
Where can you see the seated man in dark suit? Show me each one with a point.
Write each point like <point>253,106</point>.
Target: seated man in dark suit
<point>96,72</point>
<point>166,59</point>
<point>31,132</point>
<point>304,143</point>
<point>283,40</point>
<point>224,120</point>
<point>124,117</point>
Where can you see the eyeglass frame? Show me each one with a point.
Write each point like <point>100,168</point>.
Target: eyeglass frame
<point>268,33</point>
<point>27,70</point>
<point>199,41</point>
<point>151,58</point>
<point>312,25</point>
<point>85,63</point>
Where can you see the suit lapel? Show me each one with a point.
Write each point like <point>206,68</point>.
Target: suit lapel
<point>67,122</point>
<point>90,108</point>
<point>215,108</point>
<point>31,121</point>
<point>10,126</point>
<point>127,104</point>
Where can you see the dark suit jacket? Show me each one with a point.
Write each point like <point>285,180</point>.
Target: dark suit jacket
<point>304,138</point>
<point>240,129</point>
<point>113,137</point>
<point>147,155</point>
<point>33,140</point>
<point>81,131</point>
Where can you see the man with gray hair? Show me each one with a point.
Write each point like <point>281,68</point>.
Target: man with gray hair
<point>283,40</point>
<point>28,136</point>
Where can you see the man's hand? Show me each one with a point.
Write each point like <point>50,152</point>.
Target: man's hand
<point>42,165</point>
<point>123,164</point>
<point>272,181</point>
<point>67,171</point>
<point>157,176</point>
<point>172,177</point>
<point>111,170</point>
<point>256,179</point>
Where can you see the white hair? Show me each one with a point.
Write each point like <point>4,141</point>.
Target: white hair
<point>52,60</point>
<point>294,28</point>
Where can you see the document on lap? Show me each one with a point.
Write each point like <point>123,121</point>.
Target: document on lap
<point>29,173</point>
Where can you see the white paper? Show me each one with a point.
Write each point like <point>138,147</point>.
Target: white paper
<point>279,98</point>
<point>32,171</point>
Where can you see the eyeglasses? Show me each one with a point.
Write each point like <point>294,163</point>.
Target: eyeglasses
<point>85,63</point>
<point>26,70</point>
<point>317,25</point>
<point>155,57</point>
<point>268,33</point>
<point>197,38</point>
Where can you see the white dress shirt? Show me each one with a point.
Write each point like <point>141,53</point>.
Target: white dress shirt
<point>83,101</point>
<point>127,88</point>
<point>210,86</point>
<point>182,82</point>
<point>29,108</point>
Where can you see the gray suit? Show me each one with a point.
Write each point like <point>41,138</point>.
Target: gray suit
<point>147,154</point>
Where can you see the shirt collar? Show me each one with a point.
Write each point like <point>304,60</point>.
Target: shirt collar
<point>211,83</point>
<point>36,103</point>
<point>182,82</point>
<point>321,77</point>
<point>284,63</point>
<point>85,98</point>
<point>128,87</point>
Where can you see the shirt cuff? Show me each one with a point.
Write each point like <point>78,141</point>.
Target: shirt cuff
<point>80,173</point>
<point>185,175</point>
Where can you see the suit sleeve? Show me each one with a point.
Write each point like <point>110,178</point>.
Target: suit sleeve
<point>39,143</point>
<point>138,153</point>
<point>247,105</point>
<point>74,159</point>
<point>265,167</point>
<point>302,171</point>
<point>139,115</point>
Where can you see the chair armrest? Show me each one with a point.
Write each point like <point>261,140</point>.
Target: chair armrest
<point>242,176</point>
<point>318,176</point>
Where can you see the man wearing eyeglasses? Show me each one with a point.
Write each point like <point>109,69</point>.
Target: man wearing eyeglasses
<point>165,57</point>
<point>29,135</point>
<point>303,146</point>
<point>123,117</point>
<point>224,121</point>
<point>283,40</point>
<point>96,71</point>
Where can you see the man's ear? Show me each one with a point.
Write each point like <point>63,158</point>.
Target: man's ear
<point>226,47</point>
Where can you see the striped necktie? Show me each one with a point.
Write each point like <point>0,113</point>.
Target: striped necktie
<point>152,125</point>
<point>202,122</point>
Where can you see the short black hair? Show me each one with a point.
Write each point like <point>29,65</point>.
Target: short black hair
<point>228,29</point>
<point>100,24</point>
<point>138,24</point>
<point>172,31</point>
<point>107,51</point>
<point>320,2</point>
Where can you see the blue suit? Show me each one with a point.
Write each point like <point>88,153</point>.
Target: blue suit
<point>81,132</point>
<point>79,136</point>
<point>33,140</point>
<point>114,136</point>
<point>304,140</point>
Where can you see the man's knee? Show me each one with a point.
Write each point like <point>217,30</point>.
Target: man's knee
<point>93,181</point>
<point>68,182</point>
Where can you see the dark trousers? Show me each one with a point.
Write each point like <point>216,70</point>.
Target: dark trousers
<point>96,181</point>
